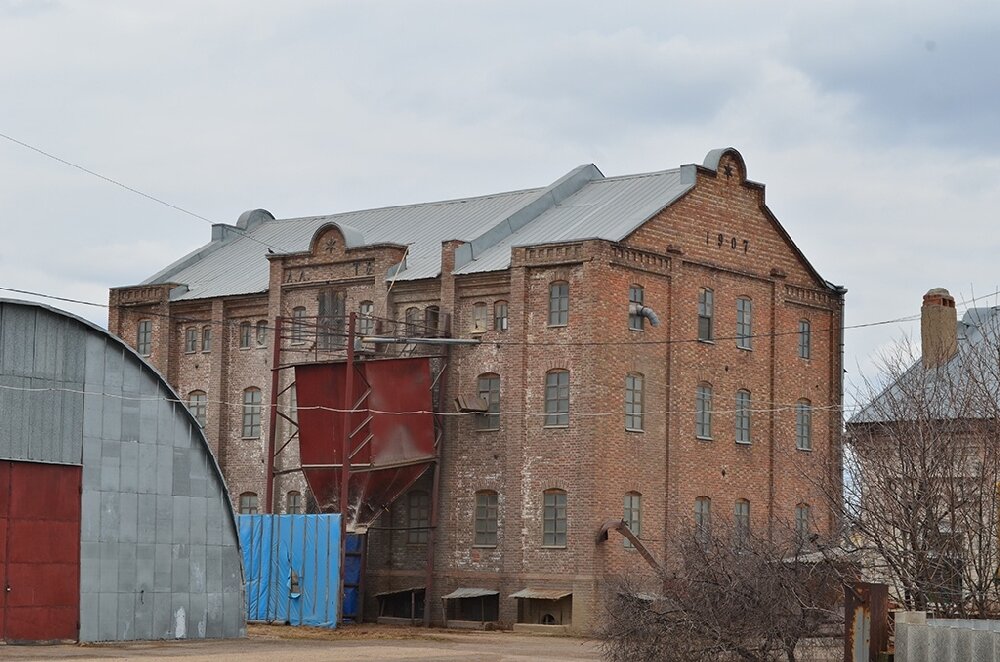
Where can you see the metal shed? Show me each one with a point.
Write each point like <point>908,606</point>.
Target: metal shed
<point>115,523</point>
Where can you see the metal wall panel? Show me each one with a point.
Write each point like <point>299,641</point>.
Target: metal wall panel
<point>42,560</point>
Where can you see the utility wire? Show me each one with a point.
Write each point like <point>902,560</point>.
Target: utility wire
<point>132,189</point>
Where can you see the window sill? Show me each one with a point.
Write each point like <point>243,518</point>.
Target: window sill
<point>638,430</point>
<point>484,547</point>
<point>190,351</point>
<point>804,450</point>
<point>706,341</point>
<point>744,443</point>
<point>245,348</point>
<point>487,429</point>
<point>556,427</point>
<point>257,438</point>
<point>744,349</point>
<point>558,326</point>
<point>553,546</point>
<point>700,438</point>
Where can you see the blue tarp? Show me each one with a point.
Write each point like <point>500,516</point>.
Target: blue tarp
<point>292,566</point>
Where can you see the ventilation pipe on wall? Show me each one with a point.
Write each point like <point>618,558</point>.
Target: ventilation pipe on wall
<point>644,311</point>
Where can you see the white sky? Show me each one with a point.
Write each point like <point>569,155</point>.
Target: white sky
<point>875,126</point>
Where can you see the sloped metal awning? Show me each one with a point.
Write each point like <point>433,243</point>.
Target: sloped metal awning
<point>469,593</point>
<point>399,590</point>
<point>542,593</point>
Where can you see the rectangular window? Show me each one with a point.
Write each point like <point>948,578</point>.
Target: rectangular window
<point>331,332</point>
<point>559,303</point>
<point>251,413</point>
<point>486,519</point>
<point>298,325</point>
<point>741,523</point>
<point>803,425</point>
<point>418,517</point>
<point>248,503</point>
<point>705,311</point>
<point>744,330</point>
<point>246,334</point>
<point>206,339</point>
<point>742,417</point>
<point>489,390</point>
<point>633,402</point>
<point>633,515</point>
<point>293,503</point>
<point>635,299</point>
<point>554,519</point>
<point>261,333</point>
<point>557,398</point>
<point>500,316</point>
<point>805,340</point>
<point>703,412</point>
<point>144,338</point>
<point>191,340</point>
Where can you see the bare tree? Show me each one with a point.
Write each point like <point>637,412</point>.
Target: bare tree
<point>922,470</point>
<point>726,597</point>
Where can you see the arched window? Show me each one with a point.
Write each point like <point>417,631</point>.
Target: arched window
<point>191,340</point>
<point>805,339</point>
<point>432,319</point>
<point>489,390</point>
<point>703,518</point>
<point>412,320</point>
<point>633,401</point>
<point>246,333</point>
<point>803,425</point>
<point>293,503</point>
<point>743,416</point>
<point>632,504</point>
<point>636,295</point>
<point>206,339</point>
<point>248,504</point>
<point>557,398</point>
<point>298,325</point>
<point>486,519</point>
<point>703,411</point>
<point>500,316</point>
<point>559,303</point>
<point>366,323</point>
<point>418,511</point>
<point>198,404</point>
<point>706,312</point>
<point>144,337</point>
<point>251,413</point>
<point>744,328</point>
<point>803,517</point>
<point>741,522</point>
<point>554,518</point>
<point>480,317</point>
<point>261,333</point>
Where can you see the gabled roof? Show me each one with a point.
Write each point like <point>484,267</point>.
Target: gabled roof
<point>965,387</point>
<point>583,204</point>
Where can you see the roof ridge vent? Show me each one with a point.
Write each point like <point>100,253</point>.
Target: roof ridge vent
<point>549,197</point>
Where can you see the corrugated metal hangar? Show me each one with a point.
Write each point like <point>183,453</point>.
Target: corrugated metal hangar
<point>115,523</point>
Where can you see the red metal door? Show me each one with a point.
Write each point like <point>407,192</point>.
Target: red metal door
<point>42,559</point>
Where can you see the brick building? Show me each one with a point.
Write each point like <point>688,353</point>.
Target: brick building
<point>595,412</point>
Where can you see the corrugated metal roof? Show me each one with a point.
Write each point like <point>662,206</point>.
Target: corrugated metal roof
<point>399,590</point>
<point>469,593</point>
<point>603,208</point>
<point>542,593</point>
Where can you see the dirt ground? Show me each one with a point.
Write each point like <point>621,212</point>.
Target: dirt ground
<point>267,643</point>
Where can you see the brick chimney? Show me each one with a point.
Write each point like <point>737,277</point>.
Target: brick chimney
<point>938,328</point>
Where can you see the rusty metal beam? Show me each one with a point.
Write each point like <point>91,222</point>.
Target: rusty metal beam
<point>621,527</point>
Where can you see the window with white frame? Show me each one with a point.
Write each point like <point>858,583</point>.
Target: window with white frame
<point>744,328</point>
<point>251,413</point>
<point>557,398</point>
<point>554,519</point>
<point>743,416</point>
<point>703,411</point>
<point>144,338</point>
